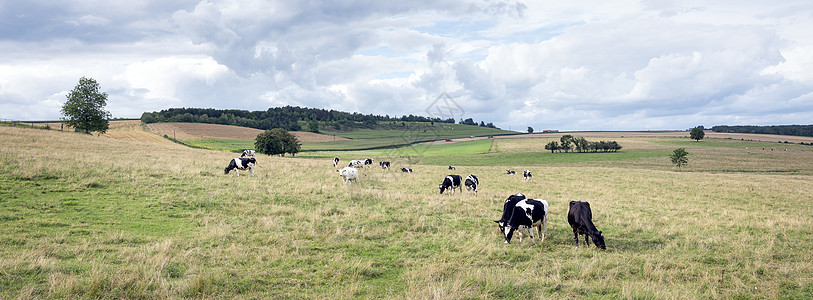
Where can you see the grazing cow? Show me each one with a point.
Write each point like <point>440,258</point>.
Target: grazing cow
<point>451,182</point>
<point>509,172</point>
<point>367,162</point>
<point>527,174</point>
<point>238,164</point>
<point>580,218</point>
<point>528,213</point>
<point>508,210</point>
<point>452,168</point>
<point>406,170</point>
<point>335,161</point>
<point>472,183</point>
<point>384,165</point>
<point>357,164</point>
<point>349,174</point>
<point>249,153</point>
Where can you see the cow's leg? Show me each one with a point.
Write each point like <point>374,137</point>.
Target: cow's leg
<point>587,243</point>
<point>544,228</point>
<point>576,237</point>
<point>531,234</point>
<point>238,172</point>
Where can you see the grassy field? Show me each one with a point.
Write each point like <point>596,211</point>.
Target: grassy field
<point>94,217</point>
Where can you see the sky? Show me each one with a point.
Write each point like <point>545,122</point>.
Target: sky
<point>566,65</point>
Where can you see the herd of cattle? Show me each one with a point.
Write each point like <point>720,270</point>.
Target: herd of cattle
<point>519,213</point>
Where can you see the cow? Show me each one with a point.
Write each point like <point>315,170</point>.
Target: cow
<point>450,183</point>
<point>335,162</point>
<point>580,218</point>
<point>406,170</point>
<point>508,210</point>
<point>384,165</point>
<point>349,174</point>
<point>367,162</point>
<point>238,164</point>
<point>471,183</point>
<point>509,172</point>
<point>357,164</point>
<point>528,213</point>
<point>452,168</point>
<point>249,153</point>
<point>527,175</point>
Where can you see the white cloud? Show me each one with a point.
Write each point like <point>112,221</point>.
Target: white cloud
<point>548,64</point>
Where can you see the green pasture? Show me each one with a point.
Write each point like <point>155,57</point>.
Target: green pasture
<point>89,217</point>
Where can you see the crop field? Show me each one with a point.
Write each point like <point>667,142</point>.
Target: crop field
<point>95,217</point>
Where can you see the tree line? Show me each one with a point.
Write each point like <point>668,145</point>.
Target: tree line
<point>579,144</point>
<point>288,118</point>
<point>797,130</point>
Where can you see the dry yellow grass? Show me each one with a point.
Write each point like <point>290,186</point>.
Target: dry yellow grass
<point>91,217</point>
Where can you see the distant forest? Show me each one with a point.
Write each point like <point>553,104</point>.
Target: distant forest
<point>288,118</point>
<point>798,130</point>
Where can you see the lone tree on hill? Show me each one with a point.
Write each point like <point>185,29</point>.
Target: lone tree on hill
<point>84,109</point>
<point>530,129</point>
<point>679,157</point>
<point>697,133</point>
<point>277,141</point>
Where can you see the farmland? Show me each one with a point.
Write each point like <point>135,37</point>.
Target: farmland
<point>131,216</point>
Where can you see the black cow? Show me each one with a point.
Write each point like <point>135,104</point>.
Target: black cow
<point>385,165</point>
<point>509,172</point>
<point>472,183</point>
<point>335,161</point>
<point>527,175</point>
<point>580,218</point>
<point>452,168</point>
<point>451,182</point>
<point>238,164</point>
<point>508,210</point>
<point>528,213</point>
<point>367,162</point>
<point>406,170</point>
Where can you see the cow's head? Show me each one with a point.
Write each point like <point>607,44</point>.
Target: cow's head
<point>508,231</point>
<point>500,225</point>
<point>226,171</point>
<point>598,239</point>
<point>441,188</point>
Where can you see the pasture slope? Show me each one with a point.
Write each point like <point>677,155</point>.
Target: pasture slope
<point>93,217</point>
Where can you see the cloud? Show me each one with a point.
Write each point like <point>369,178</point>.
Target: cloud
<point>548,64</point>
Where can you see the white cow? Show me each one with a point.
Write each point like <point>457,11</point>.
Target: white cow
<point>349,174</point>
<point>249,153</point>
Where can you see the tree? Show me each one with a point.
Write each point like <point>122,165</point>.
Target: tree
<point>530,129</point>
<point>552,146</point>
<point>679,157</point>
<point>84,109</point>
<point>277,141</point>
<point>697,134</point>
<point>313,126</point>
<point>565,142</point>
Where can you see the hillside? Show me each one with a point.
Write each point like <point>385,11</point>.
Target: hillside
<point>130,217</point>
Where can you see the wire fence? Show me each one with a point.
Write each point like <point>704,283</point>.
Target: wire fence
<point>33,124</point>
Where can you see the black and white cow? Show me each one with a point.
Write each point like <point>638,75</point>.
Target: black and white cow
<point>406,170</point>
<point>452,168</point>
<point>357,164</point>
<point>349,174</point>
<point>335,161</point>
<point>508,210</point>
<point>580,218</point>
<point>367,162</point>
<point>450,183</point>
<point>509,172</point>
<point>472,183</point>
<point>527,175</point>
<point>238,164</point>
<point>384,165</point>
<point>249,153</point>
<point>528,213</point>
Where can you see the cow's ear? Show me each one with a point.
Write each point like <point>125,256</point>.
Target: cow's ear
<point>599,232</point>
